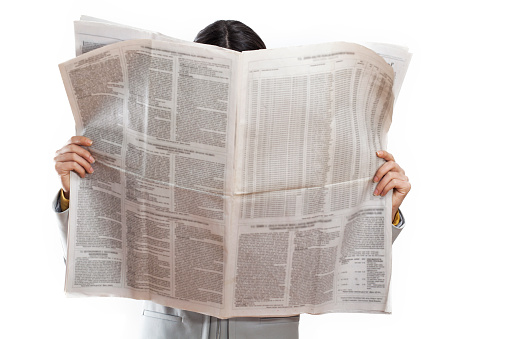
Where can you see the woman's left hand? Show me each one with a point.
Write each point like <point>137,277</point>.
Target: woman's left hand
<point>390,176</point>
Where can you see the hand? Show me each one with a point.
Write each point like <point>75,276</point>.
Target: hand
<point>73,157</point>
<point>390,176</point>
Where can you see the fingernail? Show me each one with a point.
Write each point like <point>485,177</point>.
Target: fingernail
<point>91,170</point>
<point>379,153</point>
<point>375,179</point>
<point>91,159</point>
<point>376,192</point>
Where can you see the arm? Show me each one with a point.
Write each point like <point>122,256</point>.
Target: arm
<point>390,176</point>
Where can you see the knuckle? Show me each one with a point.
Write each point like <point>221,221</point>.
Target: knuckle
<point>75,157</point>
<point>382,170</point>
<point>76,149</point>
<point>76,167</point>
<point>59,168</point>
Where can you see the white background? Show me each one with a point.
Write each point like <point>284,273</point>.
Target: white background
<point>449,133</point>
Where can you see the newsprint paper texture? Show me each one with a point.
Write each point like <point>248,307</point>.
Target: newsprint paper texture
<point>231,184</point>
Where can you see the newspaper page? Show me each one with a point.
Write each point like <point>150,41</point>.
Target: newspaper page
<point>91,33</point>
<point>311,236</point>
<point>149,223</point>
<point>232,184</point>
<point>398,57</point>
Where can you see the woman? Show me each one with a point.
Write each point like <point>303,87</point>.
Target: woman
<point>165,322</point>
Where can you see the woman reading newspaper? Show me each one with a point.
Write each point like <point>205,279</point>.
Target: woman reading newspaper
<point>164,322</point>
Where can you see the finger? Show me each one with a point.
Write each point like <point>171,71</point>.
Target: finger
<point>67,157</point>
<point>400,186</point>
<point>63,168</point>
<point>386,168</point>
<point>385,155</point>
<point>72,148</point>
<point>386,180</point>
<point>79,140</point>
<point>389,187</point>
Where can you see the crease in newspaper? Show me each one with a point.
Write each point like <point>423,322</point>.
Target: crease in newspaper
<point>359,180</point>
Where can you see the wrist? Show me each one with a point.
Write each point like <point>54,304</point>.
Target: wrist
<point>64,202</point>
<point>396,218</point>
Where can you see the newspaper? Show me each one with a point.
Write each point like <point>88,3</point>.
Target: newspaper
<point>92,33</point>
<point>231,184</point>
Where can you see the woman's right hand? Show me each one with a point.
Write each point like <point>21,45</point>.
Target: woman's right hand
<point>73,157</point>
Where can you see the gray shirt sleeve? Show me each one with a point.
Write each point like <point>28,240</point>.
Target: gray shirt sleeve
<point>62,222</point>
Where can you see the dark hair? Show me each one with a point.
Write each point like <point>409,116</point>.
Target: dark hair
<point>230,34</point>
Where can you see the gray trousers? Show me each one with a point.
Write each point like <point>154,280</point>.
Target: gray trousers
<point>164,322</point>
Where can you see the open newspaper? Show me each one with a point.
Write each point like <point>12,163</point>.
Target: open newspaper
<point>230,184</point>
